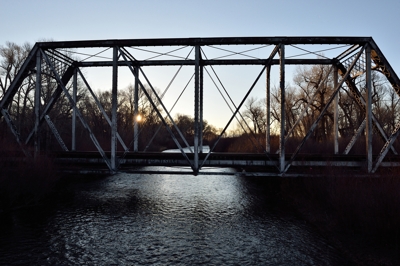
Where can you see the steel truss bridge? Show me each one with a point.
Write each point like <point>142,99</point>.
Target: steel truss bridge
<point>354,57</point>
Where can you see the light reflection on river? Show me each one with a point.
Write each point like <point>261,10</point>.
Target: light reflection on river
<point>143,219</point>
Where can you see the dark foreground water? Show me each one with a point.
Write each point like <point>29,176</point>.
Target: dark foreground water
<point>143,219</point>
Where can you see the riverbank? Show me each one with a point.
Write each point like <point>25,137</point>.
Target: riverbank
<point>361,216</point>
<point>26,183</point>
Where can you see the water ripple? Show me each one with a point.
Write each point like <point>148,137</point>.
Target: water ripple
<point>130,219</point>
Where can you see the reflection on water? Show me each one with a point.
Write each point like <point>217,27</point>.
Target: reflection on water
<point>131,219</point>
<point>206,149</point>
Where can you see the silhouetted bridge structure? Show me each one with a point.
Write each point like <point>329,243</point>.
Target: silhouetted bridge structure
<point>51,63</point>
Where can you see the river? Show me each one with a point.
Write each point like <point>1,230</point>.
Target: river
<point>164,219</point>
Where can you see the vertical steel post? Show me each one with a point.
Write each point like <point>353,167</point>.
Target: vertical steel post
<point>136,112</point>
<point>283,103</point>
<point>369,107</point>
<point>201,110</point>
<point>268,120</point>
<point>114,110</point>
<point>74,93</point>
<point>37,100</point>
<point>336,112</point>
<point>196,108</point>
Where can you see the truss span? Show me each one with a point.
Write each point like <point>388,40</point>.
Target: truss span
<point>54,72</point>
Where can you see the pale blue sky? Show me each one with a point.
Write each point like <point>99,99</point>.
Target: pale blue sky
<point>95,19</point>
<point>30,21</point>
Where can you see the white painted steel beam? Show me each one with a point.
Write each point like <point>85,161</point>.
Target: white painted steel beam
<point>368,119</point>
<point>336,113</point>
<point>356,135</point>
<point>55,133</point>
<point>283,115</point>
<point>196,109</point>
<point>74,98</point>
<point>386,147</point>
<point>201,95</point>
<point>268,111</point>
<point>38,90</point>
<point>114,103</point>
<point>136,112</point>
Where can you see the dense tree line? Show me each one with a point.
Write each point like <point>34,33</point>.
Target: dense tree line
<point>309,94</point>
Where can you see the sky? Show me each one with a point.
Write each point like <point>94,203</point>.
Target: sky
<point>30,21</point>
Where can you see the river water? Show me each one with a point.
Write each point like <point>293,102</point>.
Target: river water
<point>164,219</point>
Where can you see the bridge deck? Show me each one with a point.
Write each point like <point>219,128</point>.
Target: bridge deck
<point>263,163</point>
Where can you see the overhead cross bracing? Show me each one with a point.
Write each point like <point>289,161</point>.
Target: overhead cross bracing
<point>55,70</point>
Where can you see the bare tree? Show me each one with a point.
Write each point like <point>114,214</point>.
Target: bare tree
<point>312,81</point>
<point>292,108</point>
<point>255,112</point>
<point>12,57</point>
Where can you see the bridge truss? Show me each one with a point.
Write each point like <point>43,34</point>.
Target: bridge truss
<point>54,62</point>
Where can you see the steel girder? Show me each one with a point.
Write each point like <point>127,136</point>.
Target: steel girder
<point>207,41</point>
<point>211,62</point>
